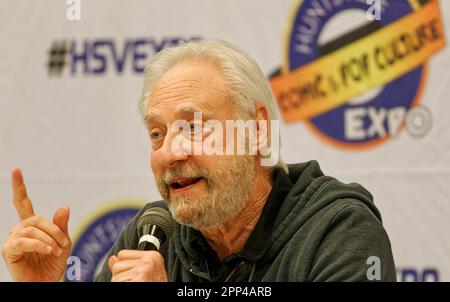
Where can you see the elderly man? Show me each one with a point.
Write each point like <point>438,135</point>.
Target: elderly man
<point>236,218</point>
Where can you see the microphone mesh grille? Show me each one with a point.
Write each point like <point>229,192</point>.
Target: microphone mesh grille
<point>157,216</point>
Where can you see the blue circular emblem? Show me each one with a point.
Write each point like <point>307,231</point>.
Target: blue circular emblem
<point>307,41</point>
<point>98,237</point>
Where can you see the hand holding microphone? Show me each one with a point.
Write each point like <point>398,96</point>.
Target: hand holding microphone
<point>145,264</point>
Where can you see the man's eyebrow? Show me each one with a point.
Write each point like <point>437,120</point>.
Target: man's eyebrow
<point>150,117</point>
<point>183,110</point>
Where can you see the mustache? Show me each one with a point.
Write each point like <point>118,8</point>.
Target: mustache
<point>172,173</point>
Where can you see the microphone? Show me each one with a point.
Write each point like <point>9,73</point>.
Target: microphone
<point>154,227</point>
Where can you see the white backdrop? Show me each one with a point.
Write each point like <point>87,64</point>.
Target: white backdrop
<point>79,140</point>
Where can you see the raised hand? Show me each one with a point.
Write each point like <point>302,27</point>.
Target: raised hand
<point>36,249</point>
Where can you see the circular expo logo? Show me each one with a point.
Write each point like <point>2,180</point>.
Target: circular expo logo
<point>98,234</point>
<point>357,82</point>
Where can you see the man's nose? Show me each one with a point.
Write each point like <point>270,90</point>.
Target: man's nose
<point>172,154</point>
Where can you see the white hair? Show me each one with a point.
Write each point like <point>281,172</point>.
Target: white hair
<point>245,80</point>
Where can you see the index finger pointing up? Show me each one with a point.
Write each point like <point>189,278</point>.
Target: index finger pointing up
<point>22,203</point>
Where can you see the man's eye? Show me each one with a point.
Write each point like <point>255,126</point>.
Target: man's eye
<point>156,135</point>
<point>194,131</point>
<point>195,127</point>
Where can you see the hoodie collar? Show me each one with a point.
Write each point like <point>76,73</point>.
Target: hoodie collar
<point>193,248</point>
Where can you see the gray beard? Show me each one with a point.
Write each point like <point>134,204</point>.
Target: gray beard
<point>228,189</point>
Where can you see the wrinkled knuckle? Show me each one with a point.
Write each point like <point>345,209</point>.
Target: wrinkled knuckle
<point>148,259</point>
<point>156,259</point>
<point>121,254</point>
<point>114,269</point>
<point>18,243</point>
<point>143,271</point>
<point>34,220</point>
<point>28,231</point>
<point>149,264</point>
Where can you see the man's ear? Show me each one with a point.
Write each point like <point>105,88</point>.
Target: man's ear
<point>262,113</point>
<point>262,118</point>
<point>268,146</point>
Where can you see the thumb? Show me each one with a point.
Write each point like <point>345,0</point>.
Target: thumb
<point>61,218</point>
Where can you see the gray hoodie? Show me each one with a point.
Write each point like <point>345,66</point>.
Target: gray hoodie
<point>313,228</point>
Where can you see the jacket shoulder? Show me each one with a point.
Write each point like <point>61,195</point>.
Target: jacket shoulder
<point>352,239</point>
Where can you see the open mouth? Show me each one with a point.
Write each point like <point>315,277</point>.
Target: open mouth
<point>184,182</point>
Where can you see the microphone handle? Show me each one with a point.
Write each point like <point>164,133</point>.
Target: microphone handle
<point>147,246</point>
<point>151,239</point>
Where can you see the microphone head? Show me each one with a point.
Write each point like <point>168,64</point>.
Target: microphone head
<point>156,216</point>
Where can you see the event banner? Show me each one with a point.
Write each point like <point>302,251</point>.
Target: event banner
<point>361,86</point>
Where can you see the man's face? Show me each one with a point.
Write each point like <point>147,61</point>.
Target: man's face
<point>202,191</point>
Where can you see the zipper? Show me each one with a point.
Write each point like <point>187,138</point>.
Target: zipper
<point>195,271</point>
<point>231,275</point>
